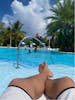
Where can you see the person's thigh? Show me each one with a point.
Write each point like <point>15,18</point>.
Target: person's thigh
<point>56,86</point>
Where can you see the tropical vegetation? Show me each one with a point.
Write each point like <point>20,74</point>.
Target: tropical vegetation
<point>61,27</point>
<point>10,36</point>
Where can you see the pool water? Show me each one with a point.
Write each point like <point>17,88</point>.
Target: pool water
<point>61,64</point>
<point>33,59</point>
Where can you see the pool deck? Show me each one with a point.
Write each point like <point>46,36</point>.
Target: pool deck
<point>53,49</point>
<point>9,72</point>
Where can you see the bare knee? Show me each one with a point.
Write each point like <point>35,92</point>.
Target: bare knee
<point>68,80</point>
<point>57,85</point>
<point>15,81</point>
<point>64,82</point>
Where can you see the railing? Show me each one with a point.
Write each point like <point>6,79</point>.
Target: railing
<point>18,51</point>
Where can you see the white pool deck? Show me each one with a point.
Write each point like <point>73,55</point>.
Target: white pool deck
<point>9,72</point>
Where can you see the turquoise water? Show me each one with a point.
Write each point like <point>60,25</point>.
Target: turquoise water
<point>61,64</point>
<point>35,58</point>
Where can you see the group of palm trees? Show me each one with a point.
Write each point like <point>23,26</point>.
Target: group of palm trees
<point>11,35</point>
<point>61,28</point>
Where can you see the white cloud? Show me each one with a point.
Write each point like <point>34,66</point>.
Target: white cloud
<point>7,19</point>
<point>32,16</point>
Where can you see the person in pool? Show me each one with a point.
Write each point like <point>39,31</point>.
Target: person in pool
<point>33,87</point>
<point>35,49</point>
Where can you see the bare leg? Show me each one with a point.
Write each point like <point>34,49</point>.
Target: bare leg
<point>54,87</point>
<point>34,85</point>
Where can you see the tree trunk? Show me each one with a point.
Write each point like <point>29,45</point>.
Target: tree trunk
<point>10,41</point>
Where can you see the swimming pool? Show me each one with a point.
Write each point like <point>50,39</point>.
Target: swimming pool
<point>61,64</point>
<point>33,59</point>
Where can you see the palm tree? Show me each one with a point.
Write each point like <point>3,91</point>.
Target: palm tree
<point>2,28</point>
<point>16,30</point>
<point>14,33</point>
<point>62,20</point>
<point>8,34</point>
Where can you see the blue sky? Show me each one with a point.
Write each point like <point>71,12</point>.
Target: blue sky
<point>27,12</point>
<point>6,9</point>
<point>5,6</point>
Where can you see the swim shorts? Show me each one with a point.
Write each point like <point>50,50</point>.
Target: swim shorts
<point>66,94</point>
<point>15,93</point>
